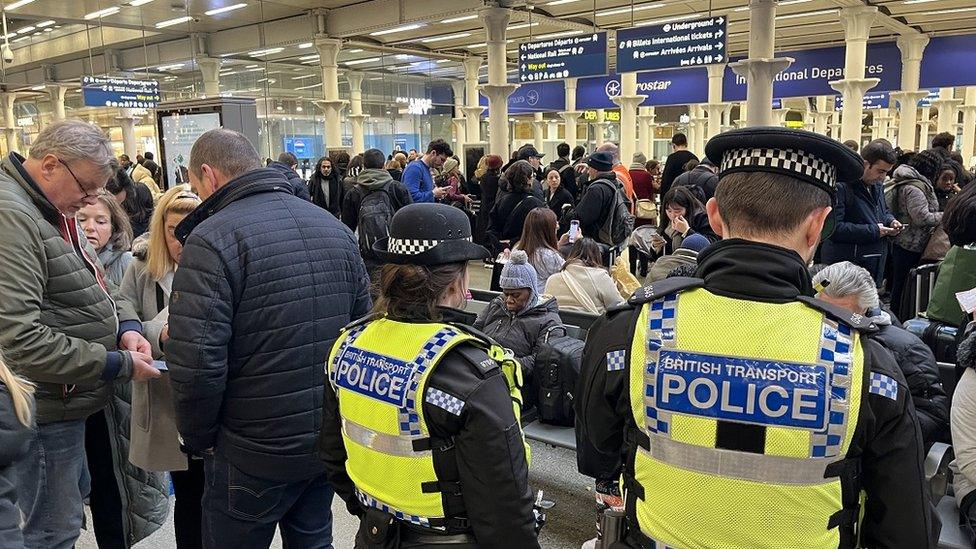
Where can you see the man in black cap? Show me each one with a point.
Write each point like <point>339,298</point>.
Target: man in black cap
<point>752,414</point>
<point>597,200</point>
<point>534,158</point>
<point>420,436</point>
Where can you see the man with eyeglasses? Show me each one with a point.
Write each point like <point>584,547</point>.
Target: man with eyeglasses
<point>62,326</point>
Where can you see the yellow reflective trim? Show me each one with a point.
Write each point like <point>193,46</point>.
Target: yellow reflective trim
<point>381,442</point>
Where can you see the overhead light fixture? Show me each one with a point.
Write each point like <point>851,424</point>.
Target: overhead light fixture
<point>102,13</point>
<point>807,14</point>
<point>170,67</point>
<point>17,4</point>
<point>47,23</point>
<point>459,19</point>
<point>303,77</point>
<point>446,37</point>
<point>304,45</point>
<point>476,46</point>
<point>171,22</point>
<point>310,62</point>
<point>404,28</point>
<point>667,20</point>
<point>954,10</point>
<point>355,51</point>
<point>308,57</point>
<point>558,34</point>
<point>308,87</point>
<point>560,2</point>
<point>621,11</point>
<point>362,61</point>
<point>225,9</point>
<point>25,30</point>
<point>21,39</point>
<point>793,2</point>
<point>519,26</point>
<point>137,3</point>
<point>443,60</point>
<point>38,88</point>
<point>268,51</point>
<point>917,1</point>
<point>48,30</point>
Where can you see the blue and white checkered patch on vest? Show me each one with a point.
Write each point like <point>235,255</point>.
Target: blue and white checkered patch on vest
<point>616,360</point>
<point>445,401</point>
<point>883,385</point>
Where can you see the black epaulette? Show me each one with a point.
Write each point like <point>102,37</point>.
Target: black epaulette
<point>664,287</point>
<point>860,323</point>
<point>474,332</point>
<point>366,319</point>
<point>477,357</point>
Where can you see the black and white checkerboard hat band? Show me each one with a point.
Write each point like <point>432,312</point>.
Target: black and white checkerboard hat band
<point>411,246</point>
<point>786,161</point>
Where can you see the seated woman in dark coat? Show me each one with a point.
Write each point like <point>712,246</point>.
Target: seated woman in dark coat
<point>685,216</point>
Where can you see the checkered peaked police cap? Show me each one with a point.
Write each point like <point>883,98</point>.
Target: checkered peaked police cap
<point>428,234</point>
<point>807,156</point>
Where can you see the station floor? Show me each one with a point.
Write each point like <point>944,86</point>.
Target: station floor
<point>571,522</point>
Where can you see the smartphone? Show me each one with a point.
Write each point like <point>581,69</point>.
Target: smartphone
<point>160,365</point>
<point>573,230</point>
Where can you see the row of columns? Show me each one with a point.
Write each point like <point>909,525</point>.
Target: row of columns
<point>56,94</point>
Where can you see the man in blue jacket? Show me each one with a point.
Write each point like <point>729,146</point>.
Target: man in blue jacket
<point>416,176</point>
<point>265,284</point>
<point>863,219</point>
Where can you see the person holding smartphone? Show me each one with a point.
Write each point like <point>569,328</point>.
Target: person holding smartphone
<point>684,216</point>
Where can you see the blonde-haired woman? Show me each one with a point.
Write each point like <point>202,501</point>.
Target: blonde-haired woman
<point>16,419</point>
<point>109,231</point>
<point>147,284</point>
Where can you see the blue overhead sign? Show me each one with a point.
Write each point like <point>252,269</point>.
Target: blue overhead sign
<point>566,57</point>
<point>812,70</point>
<point>119,92</point>
<point>672,45</point>
<point>674,87</point>
<point>535,97</point>
<point>872,100</point>
<point>948,62</point>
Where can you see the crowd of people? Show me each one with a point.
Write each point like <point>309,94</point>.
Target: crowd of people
<point>158,338</point>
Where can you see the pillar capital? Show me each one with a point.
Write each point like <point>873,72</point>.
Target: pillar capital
<point>912,46</point>
<point>457,86</point>
<point>907,99</point>
<point>328,49</point>
<point>471,67</point>
<point>628,101</point>
<point>570,115</point>
<point>496,22</point>
<point>334,105</point>
<point>358,118</point>
<point>715,71</point>
<point>497,92</point>
<point>472,112</point>
<point>857,21</point>
<point>855,86</point>
<point>759,74</point>
<point>355,79</point>
<point>56,93</point>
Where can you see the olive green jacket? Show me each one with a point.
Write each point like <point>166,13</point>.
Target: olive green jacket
<point>57,325</point>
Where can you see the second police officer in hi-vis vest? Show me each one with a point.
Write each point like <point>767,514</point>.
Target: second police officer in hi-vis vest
<point>420,432</point>
<point>749,414</point>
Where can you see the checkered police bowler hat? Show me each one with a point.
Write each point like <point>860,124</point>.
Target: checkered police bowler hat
<point>428,234</point>
<point>807,156</point>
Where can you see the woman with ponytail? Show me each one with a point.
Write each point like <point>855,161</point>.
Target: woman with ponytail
<point>16,420</point>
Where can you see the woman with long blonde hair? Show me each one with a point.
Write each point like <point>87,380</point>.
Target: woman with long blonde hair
<point>148,284</point>
<point>16,419</point>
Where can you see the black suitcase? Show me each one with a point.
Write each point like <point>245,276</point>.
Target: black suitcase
<point>557,370</point>
<point>918,288</point>
<point>941,338</point>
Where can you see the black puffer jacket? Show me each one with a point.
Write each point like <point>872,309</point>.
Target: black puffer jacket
<point>922,373</point>
<point>14,442</point>
<point>264,285</point>
<point>701,178</point>
<point>297,183</point>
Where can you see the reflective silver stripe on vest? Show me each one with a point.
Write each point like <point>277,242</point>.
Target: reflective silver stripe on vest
<point>393,445</point>
<point>836,354</point>
<point>739,465</point>
<point>661,320</point>
<point>370,501</point>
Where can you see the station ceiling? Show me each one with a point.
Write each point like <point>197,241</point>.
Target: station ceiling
<point>421,37</point>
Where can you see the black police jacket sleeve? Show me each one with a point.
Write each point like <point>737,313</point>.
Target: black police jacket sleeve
<point>333,452</point>
<point>604,403</point>
<point>898,510</point>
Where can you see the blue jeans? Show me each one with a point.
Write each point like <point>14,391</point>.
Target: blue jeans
<point>50,488</point>
<point>241,511</point>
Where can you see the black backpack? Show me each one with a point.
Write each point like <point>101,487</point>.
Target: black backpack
<point>375,214</point>
<point>619,224</point>
<point>557,370</point>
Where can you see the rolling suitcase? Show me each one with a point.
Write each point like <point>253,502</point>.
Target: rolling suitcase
<point>941,338</point>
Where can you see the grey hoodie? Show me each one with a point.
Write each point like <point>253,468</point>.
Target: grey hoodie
<point>367,181</point>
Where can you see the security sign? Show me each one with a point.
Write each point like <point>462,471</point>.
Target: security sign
<point>744,390</point>
<point>377,376</point>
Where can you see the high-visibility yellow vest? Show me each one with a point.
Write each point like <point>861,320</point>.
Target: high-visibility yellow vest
<point>379,370</point>
<point>783,380</point>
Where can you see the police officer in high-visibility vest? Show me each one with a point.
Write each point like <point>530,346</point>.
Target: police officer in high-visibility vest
<point>420,434</point>
<point>750,414</point>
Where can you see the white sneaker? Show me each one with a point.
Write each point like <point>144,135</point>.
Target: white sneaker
<point>589,544</point>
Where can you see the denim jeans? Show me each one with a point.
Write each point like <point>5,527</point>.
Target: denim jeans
<point>241,511</point>
<point>50,486</point>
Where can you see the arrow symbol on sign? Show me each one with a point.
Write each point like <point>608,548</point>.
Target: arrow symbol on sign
<point>721,20</point>
<point>523,58</point>
<point>718,58</point>
<point>523,66</point>
<point>720,45</point>
<point>719,34</point>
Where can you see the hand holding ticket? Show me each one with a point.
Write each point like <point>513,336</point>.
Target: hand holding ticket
<point>967,300</point>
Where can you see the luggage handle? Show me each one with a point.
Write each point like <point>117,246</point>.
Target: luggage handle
<point>550,330</point>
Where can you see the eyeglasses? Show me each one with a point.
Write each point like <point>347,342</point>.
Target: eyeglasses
<point>87,193</point>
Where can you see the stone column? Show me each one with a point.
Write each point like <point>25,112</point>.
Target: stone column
<point>328,49</point>
<point>822,116</point>
<point>761,67</point>
<point>925,125</point>
<point>715,106</point>
<point>10,122</point>
<point>948,107</point>
<point>498,89</point>
<point>357,120</point>
<point>646,118</point>
<point>744,113</point>
<point>57,100</point>
<point>210,70</point>
<point>552,130</point>
<point>570,115</point>
<point>459,132</point>
<point>472,109</point>
<point>127,120</point>
<point>835,124</point>
<point>601,126</point>
<point>538,130</point>
<point>969,127</point>
<point>911,48</point>
<point>882,120</point>
<point>698,119</point>
<point>857,23</point>
<point>458,120</point>
<point>628,101</point>
<point>779,116</point>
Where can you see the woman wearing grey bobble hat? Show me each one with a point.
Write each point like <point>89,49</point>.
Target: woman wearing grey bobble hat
<point>420,432</point>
